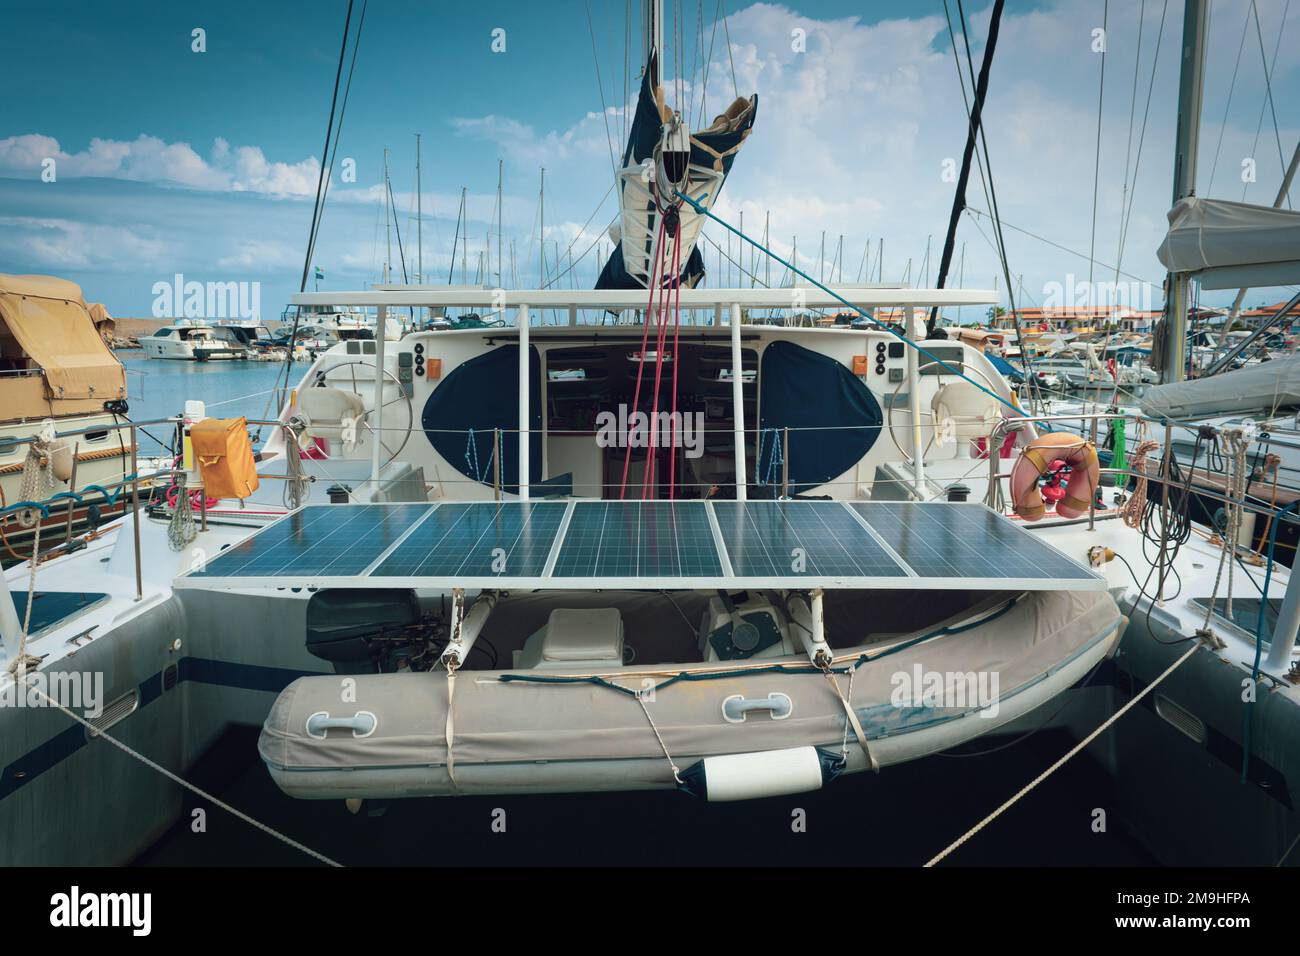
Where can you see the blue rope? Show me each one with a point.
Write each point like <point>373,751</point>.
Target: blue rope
<point>698,207</point>
<point>110,497</point>
<point>776,457</point>
<point>471,455</point>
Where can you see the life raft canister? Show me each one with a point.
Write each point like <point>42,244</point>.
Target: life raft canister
<point>1038,459</point>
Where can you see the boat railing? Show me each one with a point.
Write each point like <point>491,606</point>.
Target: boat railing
<point>1161,477</point>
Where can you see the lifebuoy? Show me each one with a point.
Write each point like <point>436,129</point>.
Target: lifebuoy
<point>1037,459</point>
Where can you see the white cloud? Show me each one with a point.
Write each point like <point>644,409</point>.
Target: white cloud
<point>852,135</point>
<point>150,159</point>
<point>62,244</point>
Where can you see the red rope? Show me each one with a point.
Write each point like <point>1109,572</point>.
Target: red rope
<point>645,338</point>
<point>660,341</point>
<point>677,322</point>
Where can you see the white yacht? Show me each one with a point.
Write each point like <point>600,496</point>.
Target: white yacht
<point>194,340</point>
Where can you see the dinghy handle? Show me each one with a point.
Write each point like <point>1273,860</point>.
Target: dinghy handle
<point>362,724</point>
<point>736,707</point>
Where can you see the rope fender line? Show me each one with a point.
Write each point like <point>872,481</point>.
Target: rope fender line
<point>175,778</point>
<point>956,844</point>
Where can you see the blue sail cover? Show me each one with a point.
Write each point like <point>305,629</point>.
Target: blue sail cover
<point>1009,371</point>
<point>802,389</point>
<point>480,395</point>
<point>709,149</point>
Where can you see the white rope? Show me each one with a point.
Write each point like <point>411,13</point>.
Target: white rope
<point>852,719</point>
<point>450,729</point>
<point>677,774</point>
<point>180,527</point>
<point>1235,488</point>
<point>22,660</point>
<point>184,783</point>
<point>1061,762</point>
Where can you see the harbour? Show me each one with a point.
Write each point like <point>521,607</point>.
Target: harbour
<point>682,546</point>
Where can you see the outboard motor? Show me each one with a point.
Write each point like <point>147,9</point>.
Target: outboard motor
<point>362,631</point>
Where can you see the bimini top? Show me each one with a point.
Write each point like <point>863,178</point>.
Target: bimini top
<point>591,545</point>
<point>49,321</point>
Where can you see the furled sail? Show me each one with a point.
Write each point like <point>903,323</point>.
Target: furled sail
<point>712,151</point>
<point>1232,245</point>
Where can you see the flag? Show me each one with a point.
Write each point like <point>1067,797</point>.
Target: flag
<point>320,273</point>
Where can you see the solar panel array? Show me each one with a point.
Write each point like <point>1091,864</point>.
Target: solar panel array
<point>645,544</point>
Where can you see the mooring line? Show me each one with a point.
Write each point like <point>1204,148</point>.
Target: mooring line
<point>184,783</point>
<point>1061,762</point>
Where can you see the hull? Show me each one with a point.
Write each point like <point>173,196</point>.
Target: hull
<point>1178,756</point>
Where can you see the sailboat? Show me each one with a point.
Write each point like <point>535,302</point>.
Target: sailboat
<point>608,604</point>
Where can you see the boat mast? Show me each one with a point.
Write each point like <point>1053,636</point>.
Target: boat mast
<point>500,217</point>
<point>1191,85</point>
<point>541,232</point>
<point>419,218</point>
<point>388,224</point>
<point>654,40</point>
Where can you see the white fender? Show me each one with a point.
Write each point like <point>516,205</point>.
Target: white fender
<point>768,773</point>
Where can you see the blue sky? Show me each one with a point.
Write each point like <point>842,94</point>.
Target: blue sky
<point>173,161</point>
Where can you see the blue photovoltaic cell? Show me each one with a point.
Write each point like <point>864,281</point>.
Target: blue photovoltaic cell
<point>317,540</point>
<point>628,539</point>
<point>941,540</point>
<point>678,541</point>
<point>483,539</point>
<point>800,538</point>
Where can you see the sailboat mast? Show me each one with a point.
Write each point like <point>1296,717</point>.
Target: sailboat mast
<point>388,221</point>
<point>1190,88</point>
<point>500,217</point>
<point>541,232</point>
<point>654,40</point>
<point>419,218</point>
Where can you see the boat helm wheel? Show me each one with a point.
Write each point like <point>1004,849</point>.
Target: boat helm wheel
<point>893,401</point>
<point>327,378</point>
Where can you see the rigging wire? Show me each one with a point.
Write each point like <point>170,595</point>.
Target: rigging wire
<point>1268,85</point>
<point>1223,125</point>
<point>1096,166</point>
<point>604,110</point>
<point>1137,162</point>
<point>323,180</point>
<point>726,30</point>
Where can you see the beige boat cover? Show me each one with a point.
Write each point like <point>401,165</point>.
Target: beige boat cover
<point>50,321</point>
<point>500,722</point>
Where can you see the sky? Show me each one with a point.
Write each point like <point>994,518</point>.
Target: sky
<point>128,156</point>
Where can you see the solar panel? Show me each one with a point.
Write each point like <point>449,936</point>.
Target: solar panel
<point>944,540</point>
<point>798,538</point>
<point>479,539</point>
<point>334,540</point>
<point>646,544</point>
<point>639,539</point>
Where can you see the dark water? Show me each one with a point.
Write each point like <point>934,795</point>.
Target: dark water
<point>901,817</point>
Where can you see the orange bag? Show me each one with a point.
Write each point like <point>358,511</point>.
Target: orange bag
<point>225,457</point>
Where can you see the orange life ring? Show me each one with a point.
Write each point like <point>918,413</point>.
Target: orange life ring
<point>1036,460</point>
